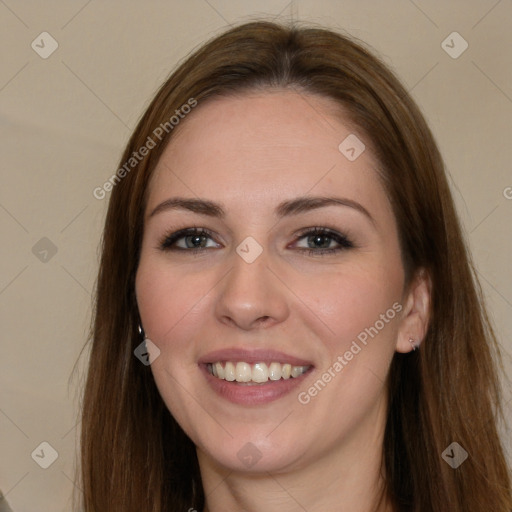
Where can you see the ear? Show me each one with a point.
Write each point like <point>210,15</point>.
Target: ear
<point>416,313</point>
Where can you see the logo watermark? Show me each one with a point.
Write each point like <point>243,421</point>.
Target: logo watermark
<point>454,455</point>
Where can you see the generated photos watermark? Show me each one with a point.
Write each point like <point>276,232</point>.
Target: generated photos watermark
<point>151,142</point>
<point>304,397</point>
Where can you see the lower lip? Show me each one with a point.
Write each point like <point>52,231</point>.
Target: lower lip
<point>256,394</point>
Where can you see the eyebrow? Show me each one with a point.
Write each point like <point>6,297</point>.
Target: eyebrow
<point>284,209</point>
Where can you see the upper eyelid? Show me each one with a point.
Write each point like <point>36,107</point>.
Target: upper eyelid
<point>178,234</point>
<point>301,233</point>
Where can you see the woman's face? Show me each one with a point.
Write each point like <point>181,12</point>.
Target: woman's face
<point>291,265</point>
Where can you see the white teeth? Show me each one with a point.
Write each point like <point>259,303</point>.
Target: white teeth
<point>229,372</point>
<point>218,371</point>
<point>296,371</point>
<point>243,372</point>
<point>274,371</point>
<point>257,373</point>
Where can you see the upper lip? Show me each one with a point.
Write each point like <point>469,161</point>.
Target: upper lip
<point>252,356</point>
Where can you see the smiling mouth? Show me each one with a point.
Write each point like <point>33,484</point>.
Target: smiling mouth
<point>258,373</point>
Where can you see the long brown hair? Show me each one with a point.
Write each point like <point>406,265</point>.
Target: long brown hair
<point>134,456</point>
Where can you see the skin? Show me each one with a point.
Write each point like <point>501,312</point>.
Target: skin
<point>249,153</point>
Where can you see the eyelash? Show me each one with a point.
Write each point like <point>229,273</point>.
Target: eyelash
<point>168,241</point>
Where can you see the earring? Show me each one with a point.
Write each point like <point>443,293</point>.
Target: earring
<point>414,345</point>
<point>141,332</point>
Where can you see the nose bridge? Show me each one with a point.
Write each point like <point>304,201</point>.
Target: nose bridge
<point>249,268</point>
<point>251,293</point>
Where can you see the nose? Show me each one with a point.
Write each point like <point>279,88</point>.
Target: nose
<point>251,296</point>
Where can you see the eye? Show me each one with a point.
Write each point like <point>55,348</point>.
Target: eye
<point>320,241</point>
<point>189,239</point>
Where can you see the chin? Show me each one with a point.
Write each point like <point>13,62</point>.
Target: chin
<point>254,454</point>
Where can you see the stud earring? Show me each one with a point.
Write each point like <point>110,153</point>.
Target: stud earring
<point>414,345</point>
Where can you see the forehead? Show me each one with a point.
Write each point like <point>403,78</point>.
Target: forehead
<point>256,149</point>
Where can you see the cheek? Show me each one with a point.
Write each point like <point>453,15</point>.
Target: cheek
<point>169,301</point>
<point>359,308</point>
<point>352,303</point>
<point>170,308</point>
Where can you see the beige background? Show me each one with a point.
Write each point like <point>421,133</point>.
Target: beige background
<point>64,121</point>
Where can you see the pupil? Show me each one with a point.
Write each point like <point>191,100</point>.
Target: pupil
<point>196,240</point>
<point>321,241</point>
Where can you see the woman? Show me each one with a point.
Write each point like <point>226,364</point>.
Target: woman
<point>287,315</point>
